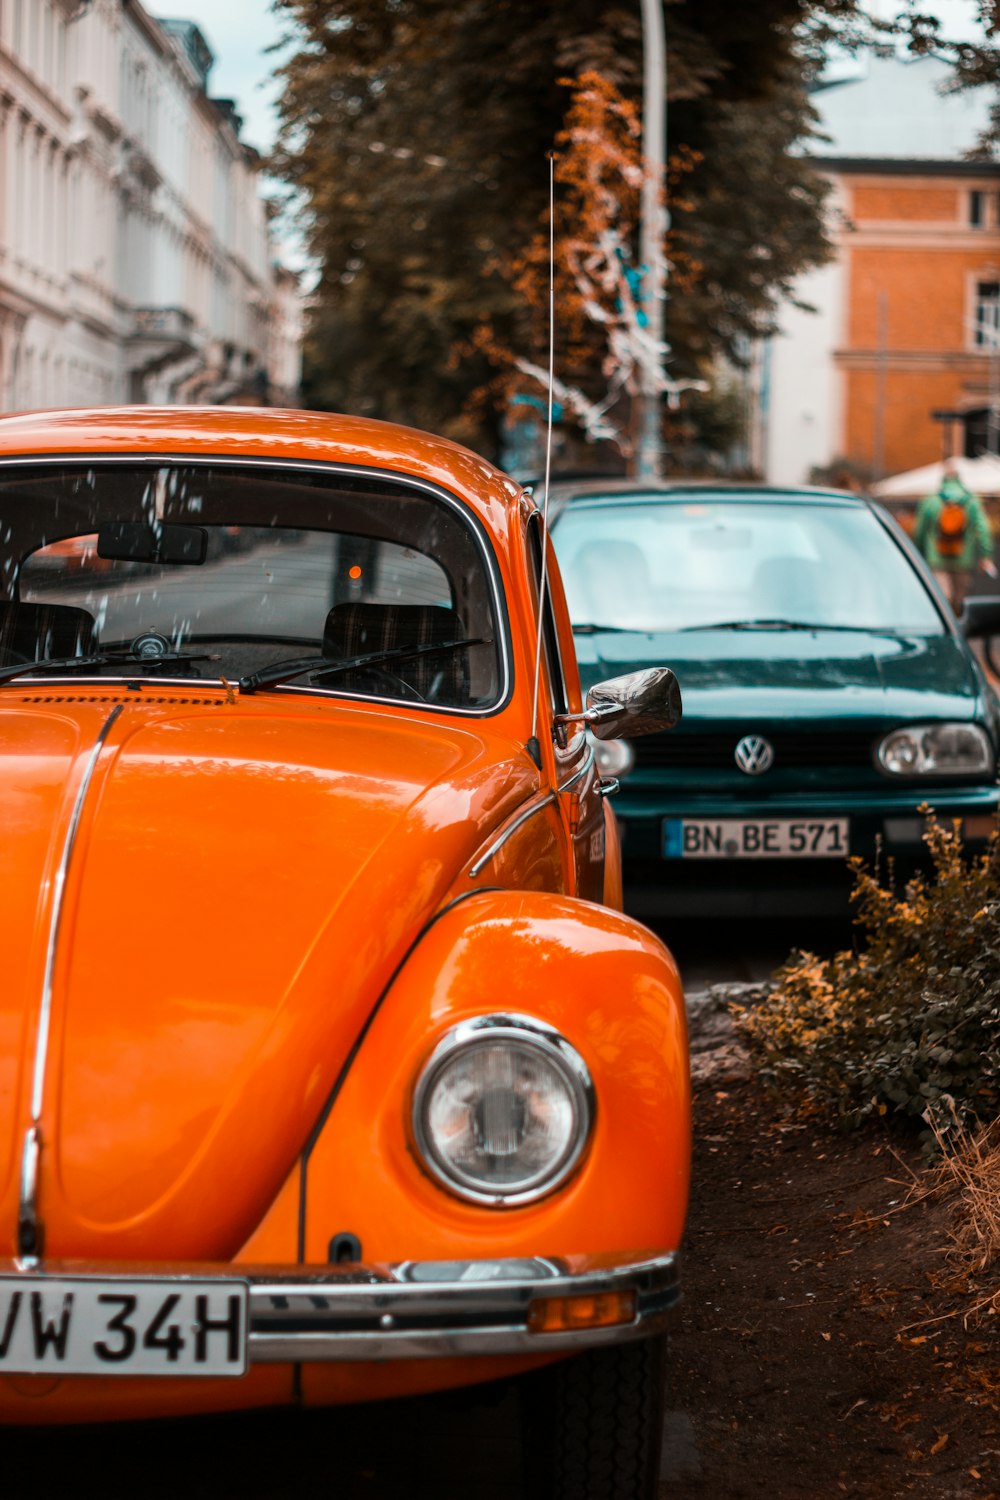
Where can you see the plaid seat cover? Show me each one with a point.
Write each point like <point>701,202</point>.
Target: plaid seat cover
<point>38,631</point>
<point>357,629</point>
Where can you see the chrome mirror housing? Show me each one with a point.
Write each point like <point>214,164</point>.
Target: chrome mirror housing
<point>638,703</point>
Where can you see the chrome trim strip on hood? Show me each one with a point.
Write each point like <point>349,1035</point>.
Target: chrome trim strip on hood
<point>519,819</point>
<point>28,1232</point>
<point>510,828</point>
<point>564,786</point>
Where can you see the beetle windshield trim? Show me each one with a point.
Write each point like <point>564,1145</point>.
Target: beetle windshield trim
<point>399,485</point>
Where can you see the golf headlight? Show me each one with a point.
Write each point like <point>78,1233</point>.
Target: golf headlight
<point>614,757</point>
<point>936,750</point>
<point>503,1110</point>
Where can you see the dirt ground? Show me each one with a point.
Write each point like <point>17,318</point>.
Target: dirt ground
<point>808,1362</point>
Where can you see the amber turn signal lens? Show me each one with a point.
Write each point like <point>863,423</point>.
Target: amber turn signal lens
<point>564,1314</point>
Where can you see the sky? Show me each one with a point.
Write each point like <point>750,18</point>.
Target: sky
<point>959,18</point>
<point>238,32</point>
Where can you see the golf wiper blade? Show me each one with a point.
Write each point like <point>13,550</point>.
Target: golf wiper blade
<point>779,624</point>
<point>588,628</point>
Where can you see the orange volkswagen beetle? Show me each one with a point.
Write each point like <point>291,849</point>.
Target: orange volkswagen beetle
<point>330,1068</point>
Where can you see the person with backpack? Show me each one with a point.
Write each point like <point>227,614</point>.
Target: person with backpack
<point>953,532</point>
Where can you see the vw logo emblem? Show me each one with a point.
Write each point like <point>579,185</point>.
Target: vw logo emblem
<point>754,755</point>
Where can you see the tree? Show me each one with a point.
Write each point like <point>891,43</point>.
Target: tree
<point>416,133</point>
<point>596,285</point>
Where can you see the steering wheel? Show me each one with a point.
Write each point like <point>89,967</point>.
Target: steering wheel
<point>379,681</point>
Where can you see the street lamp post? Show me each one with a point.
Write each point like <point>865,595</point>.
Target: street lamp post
<point>652,234</point>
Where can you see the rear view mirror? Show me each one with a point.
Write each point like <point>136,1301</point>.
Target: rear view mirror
<point>137,541</point>
<point>639,703</point>
<point>980,616</point>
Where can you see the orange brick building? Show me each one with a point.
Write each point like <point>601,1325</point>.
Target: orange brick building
<point>905,321</point>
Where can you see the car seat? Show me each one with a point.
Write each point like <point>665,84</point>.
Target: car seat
<point>37,632</point>
<point>360,629</point>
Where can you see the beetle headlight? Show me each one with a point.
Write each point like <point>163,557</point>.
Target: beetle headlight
<point>936,750</point>
<point>503,1109</point>
<point>614,757</point>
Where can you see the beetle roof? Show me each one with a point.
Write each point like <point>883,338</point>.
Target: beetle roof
<point>265,433</point>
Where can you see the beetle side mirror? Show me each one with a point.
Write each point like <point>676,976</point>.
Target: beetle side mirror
<point>639,703</point>
<point>980,616</point>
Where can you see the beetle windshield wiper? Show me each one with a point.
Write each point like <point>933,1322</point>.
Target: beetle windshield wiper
<point>284,671</point>
<point>103,659</point>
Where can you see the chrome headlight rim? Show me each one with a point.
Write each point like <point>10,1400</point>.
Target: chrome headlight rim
<point>917,731</point>
<point>557,1051</point>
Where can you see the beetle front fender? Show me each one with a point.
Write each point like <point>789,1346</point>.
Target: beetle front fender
<point>612,989</point>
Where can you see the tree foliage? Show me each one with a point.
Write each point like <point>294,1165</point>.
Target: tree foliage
<point>594,283</point>
<point>416,134</point>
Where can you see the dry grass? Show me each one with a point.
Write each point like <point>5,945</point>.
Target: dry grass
<point>966,1179</point>
<point>969,1173</point>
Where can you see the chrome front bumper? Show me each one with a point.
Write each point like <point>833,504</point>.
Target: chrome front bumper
<point>445,1309</point>
<point>423,1309</point>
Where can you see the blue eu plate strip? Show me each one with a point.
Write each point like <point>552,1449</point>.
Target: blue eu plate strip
<point>673,838</point>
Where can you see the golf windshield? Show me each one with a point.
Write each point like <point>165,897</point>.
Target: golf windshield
<point>667,565</point>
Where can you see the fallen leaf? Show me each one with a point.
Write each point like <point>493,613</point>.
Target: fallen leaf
<point>827,1336</point>
<point>975,1474</point>
<point>941,1443</point>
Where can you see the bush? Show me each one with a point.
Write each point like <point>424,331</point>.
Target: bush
<point>909,1024</point>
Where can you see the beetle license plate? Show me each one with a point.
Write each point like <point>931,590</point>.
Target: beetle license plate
<point>76,1326</point>
<point>755,838</point>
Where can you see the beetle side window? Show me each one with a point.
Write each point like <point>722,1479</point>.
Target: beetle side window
<point>550,638</point>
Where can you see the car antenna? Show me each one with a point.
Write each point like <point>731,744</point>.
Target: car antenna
<point>533,747</point>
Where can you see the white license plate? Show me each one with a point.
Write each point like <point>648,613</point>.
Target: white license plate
<point>75,1326</point>
<point>755,838</point>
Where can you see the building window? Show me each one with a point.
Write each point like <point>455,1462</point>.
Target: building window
<point>976,209</point>
<point>987,323</point>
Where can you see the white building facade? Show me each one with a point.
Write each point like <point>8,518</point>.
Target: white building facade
<point>136,262</point>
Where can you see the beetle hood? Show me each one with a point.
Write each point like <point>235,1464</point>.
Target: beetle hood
<point>243,878</point>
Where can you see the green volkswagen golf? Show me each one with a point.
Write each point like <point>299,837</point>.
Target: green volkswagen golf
<point>828,691</point>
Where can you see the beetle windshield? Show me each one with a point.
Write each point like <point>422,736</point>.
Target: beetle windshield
<point>691,564</point>
<point>208,570</point>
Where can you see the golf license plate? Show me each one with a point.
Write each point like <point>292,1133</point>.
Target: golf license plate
<point>76,1326</point>
<point>755,838</point>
